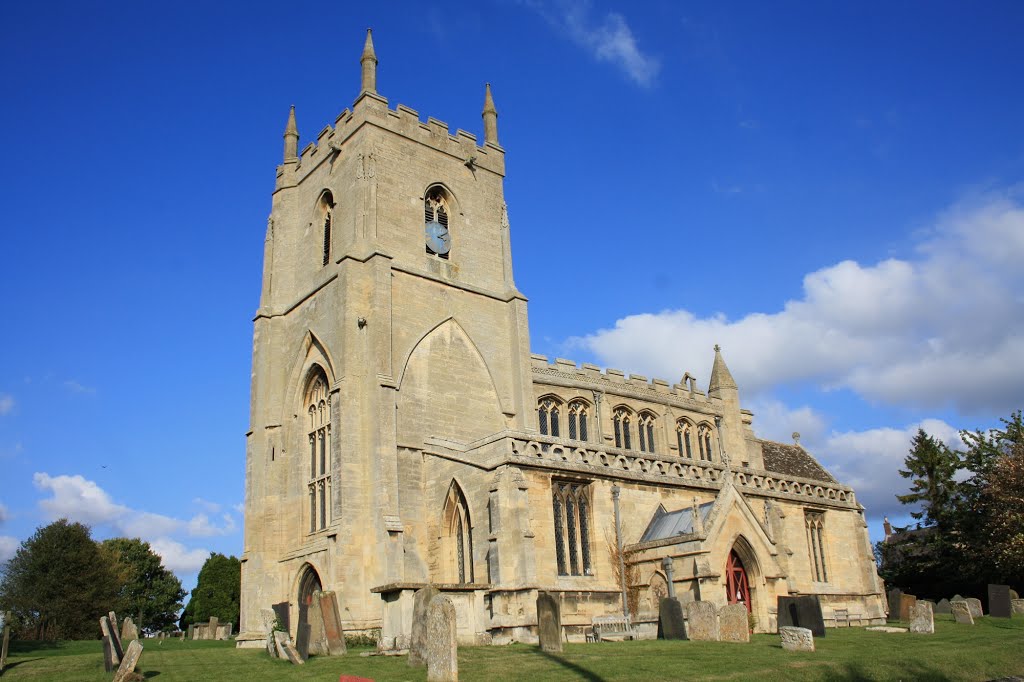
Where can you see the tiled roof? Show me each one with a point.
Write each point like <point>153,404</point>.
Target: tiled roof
<point>793,460</point>
<point>667,524</point>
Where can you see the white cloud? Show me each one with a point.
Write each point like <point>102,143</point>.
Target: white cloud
<point>8,546</point>
<point>3,513</point>
<point>178,558</point>
<point>206,505</point>
<point>608,38</point>
<point>201,526</point>
<point>945,326</point>
<point>6,404</point>
<point>77,387</point>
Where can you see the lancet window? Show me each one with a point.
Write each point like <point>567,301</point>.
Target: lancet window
<point>645,431</point>
<point>622,419</point>
<point>814,523</point>
<point>326,217</point>
<point>318,413</point>
<point>459,538</point>
<point>578,413</point>
<point>548,414</point>
<point>571,507</point>
<point>704,442</point>
<point>684,437</point>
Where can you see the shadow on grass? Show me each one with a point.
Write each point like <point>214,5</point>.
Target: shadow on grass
<point>150,673</point>
<point>856,672</point>
<point>9,665</point>
<point>579,670</point>
<point>22,646</point>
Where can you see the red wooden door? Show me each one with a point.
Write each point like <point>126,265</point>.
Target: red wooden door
<point>736,586</point>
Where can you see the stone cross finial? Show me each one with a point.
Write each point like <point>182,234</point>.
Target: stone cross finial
<point>796,437</point>
<point>717,348</point>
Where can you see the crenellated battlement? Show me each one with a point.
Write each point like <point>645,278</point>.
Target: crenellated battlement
<point>654,388</point>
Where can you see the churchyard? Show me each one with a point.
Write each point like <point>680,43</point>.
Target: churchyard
<point>990,649</point>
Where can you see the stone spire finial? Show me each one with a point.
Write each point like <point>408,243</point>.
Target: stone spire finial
<point>720,376</point>
<point>291,138</point>
<point>369,64</point>
<point>490,117</point>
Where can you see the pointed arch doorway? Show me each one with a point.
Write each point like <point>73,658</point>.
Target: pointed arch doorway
<point>309,584</point>
<point>737,586</point>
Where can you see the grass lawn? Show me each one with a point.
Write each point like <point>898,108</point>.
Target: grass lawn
<point>992,648</point>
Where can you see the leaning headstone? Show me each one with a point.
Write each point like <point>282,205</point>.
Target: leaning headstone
<point>701,621</point>
<point>962,613</point>
<point>894,603</point>
<point>671,624</point>
<point>943,607</point>
<point>975,606</point>
<point>115,636</point>
<point>268,618</point>
<point>5,637</point>
<point>334,634</point>
<point>302,640</point>
<point>281,611</point>
<point>549,623</point>
<point>442,648</point>
<point>796,639</point>
<point>922,620</point>
<point>108,656</point>
<point>128,630</point>
<point>907,601</point>
<point>802,612</point>
<point>1017,606</point>
<point>128,663</point>
<point>285,648</point>
<point>418,640</point>
<point>733,624</point>
<point>115,644</point>
<point>999,601</point>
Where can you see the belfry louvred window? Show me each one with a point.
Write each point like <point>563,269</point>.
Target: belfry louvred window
<point>571,511</point>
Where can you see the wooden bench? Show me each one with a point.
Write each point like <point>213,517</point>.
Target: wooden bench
<point>610,629</point>
<point>843,617</point>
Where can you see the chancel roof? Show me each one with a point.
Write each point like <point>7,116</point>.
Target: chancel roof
<point>793,460</point>
<point>666,524</point>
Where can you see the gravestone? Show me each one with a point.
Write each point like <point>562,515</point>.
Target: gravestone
<point>701,621</point>
<point>671,624</point>
<point>418,639</point>
<point>1013,594</point>
<point>733,624</point>
<point>302,640</point>
<point>115,636</point>
<point>802,612</point>
<point>1017,607</point>
<point>943,607</point>
<point>999,601</point>
<point>108,656</point>
<point>334,634</point>
<point>894,603</point>
<point>285,648</point>
<point>906,602</point>
<point>281,611</point>
<point>268,618</point>
<point>128,663</point>
<point>974,605</point>
<point>5,637</point>
<point>115,646</point>
<point>922,620</point>
<point>211,627</point>
<point>191,632</point>
<point>962,613</point>
<point>549,623</point>
<point>796,639</point>
<point>128,630</point>
<point>442,655</point>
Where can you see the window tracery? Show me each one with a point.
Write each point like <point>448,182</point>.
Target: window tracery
<point>578,413</point>
<point>684,438</point>
<point>621,421</point>
<point>645,431</point>
<point>704,442</point>
<point>318,411</point>
<point>571,511</point>
<point>815,526</point>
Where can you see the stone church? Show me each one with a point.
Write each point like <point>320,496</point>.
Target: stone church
<point>402,434</point>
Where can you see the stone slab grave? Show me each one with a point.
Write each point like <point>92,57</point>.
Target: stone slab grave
<point>418,638</point>
<point>302,640</point>
<point>128,630</point>
<point>325,603</point>
<point>211,628</point>
<point>962,613</point>
<point>126,671</point>
<point>115,645</point>
<point>285,648</point>
<point>943,607</point>
<point>108,656</point>
<point>974,605</point>
<point>733,623</point>
<point>907,602</point>
<point>224,632</point>
<point>267,619</point>
<point>885,628</point>
<point>115,637</point>
<point>1017,606</point>
<point>796,639</point>
<point>801,612</point>
<point>893,598</point>
<point>701,621</point>
<point>999,601</point>
<point>549,623</point>
<point>5,637</point>
<point>922,620</point>
<point>442,646</point>
<point>671,624</point>
<point>282,613</point>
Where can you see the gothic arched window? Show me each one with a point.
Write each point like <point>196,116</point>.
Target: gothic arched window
<point>621,420</point>
<point>318,412</point>
<point>684,436</point>
<point>548,417</point>
<point>436,212</point>
<point>704,442</point>
<point>578,413</point>
<point>458,539</point>
<point>571,509</point>
<point>325,216</point>
<point>645,430</point>
<point>814,522</point>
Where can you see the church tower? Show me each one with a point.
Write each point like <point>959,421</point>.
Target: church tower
<point>389,323</point>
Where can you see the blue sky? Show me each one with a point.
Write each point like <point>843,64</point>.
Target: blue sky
<point>833,192</point>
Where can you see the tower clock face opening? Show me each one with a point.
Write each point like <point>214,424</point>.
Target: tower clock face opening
<point>438,238</point>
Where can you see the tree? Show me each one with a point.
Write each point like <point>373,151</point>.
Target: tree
<point>1003,505</point>
<point>931,467</point>
<point>59,583</point>
<point>218,591</point>
<point>149,593</point>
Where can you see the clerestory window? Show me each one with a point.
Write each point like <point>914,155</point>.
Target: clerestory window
<point>578,413</point>
<point>645,431</point>
<point>622,420</point>
<point>704,442</point>
<point>684,437</point>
